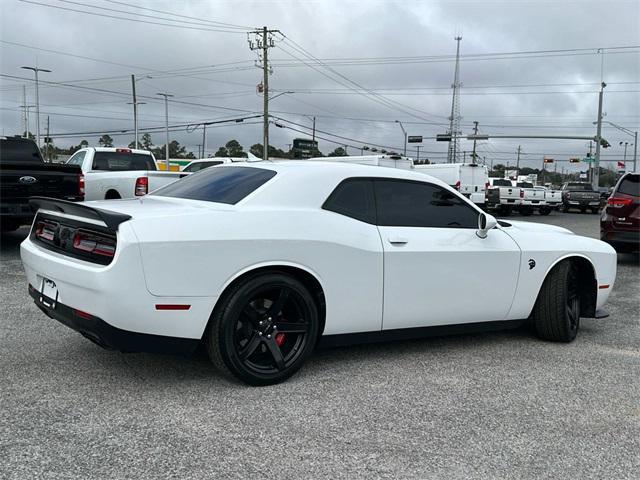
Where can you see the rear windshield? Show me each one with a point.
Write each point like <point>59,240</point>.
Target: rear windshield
<point>579,186</point>
<point>501,182</point>
<point>122,161</point>
<point>525,185</point>
<point>194,167</point>
<point>17,150</point>
<point>221,185</point>
<point>630,185</point>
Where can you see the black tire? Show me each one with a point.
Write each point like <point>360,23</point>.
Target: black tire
<point>526,211</point>
<point>544,210</point>
<point>252,335</point>
<point>595,210</point>
<point>9,226</point>
<point>556,314</point>
<point>112,195</point>
<point>583,209</point>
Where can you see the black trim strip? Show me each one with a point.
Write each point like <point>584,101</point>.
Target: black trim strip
<point>111,219</point>
<point>328,341</point>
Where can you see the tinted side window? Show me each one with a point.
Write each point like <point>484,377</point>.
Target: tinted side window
<point>630,185</point>
<point>220,185</point>
<point>403,203</point>
<point>353,198</point>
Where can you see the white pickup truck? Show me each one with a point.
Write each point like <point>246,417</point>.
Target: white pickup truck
<point>120,172</point>
<point>532,199</point>
<point>553,199</point>
<point>503,197</point>
<point>470,179</point>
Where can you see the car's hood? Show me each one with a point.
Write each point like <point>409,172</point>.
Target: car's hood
<point>152,206</point>
<point>536,227</point>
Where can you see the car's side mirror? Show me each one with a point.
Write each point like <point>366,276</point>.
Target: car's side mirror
<point>485,223</point>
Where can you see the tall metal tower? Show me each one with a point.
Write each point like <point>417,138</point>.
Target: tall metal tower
<point>454,118</point>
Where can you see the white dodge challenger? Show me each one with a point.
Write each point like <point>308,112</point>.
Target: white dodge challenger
<point>262,261</point>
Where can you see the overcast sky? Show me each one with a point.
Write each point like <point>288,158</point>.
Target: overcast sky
<point>208,67</point>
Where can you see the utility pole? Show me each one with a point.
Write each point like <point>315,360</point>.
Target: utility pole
<point>313,138</point>
<point>264,41</point>
<point>135,109</point>
<point>204,139</point>
<point>596,173</point>
<point>46,141</point>
<point>25,114</point>
<point>518,159</point>
<point>590,169</point>
<point>418,153</point>
<point>454,118</point>
<point>475,132</point>
<point>404,132</point>
<point>166,123</point>
<point>36,70</point>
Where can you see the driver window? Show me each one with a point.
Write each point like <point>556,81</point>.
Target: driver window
<point>77,158</point>
<point>405,203</point>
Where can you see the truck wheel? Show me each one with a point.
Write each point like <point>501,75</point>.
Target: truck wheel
<point>544,210</point>
<point>9,226</point>
<point>556,314</point>
<point>263,329</point>
<point>583,209</point>
<point>112,195</point>
<point>595,210</point>
<point>526,211</point>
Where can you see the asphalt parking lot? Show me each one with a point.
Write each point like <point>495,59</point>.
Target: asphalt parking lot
<point>495,405</point>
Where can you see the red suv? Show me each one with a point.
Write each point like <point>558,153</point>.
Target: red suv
<point>620,221</point>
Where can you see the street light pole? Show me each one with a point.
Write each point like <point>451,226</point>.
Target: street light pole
<point>596,173</point>
<point>404,132</point>
<point>36,70</point>
<point>635,141</point>
<point>166,120</point>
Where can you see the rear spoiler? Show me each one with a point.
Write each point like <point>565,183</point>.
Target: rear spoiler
<point>111,219</point>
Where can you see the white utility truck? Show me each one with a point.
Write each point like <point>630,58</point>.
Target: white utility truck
<point>120,172</point>
<point>470,179</point>
<point>392,161</point>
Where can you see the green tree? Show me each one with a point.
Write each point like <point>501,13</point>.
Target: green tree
<point>338,152</point>
<point>221,152</point>
<point>235,149</point>
<point>146,142</point>
<point>105,141</point>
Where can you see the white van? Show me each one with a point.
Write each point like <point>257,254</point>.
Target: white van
<point>392,161</point>
<point>470,179</point>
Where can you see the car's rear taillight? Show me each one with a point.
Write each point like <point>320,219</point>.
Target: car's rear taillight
<point>457,185</point>
<point>123,150</point>
<point>81,185</point>
<point>487,185</point>
<point>46,230</point>
<point>521,193</point>
<point>95,244</point>
<point>142,186</point>
<point>619,202</point>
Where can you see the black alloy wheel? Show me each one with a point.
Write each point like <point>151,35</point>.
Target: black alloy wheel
<point>264,329</point>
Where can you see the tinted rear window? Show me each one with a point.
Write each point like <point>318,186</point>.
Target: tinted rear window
<point>122,161</point>
<point>221,185</point>
<point>194,167</point>
<point>524,185</point>
<point>500,182</point>
<point>353,198</point>
<point>579,186</point>
<point>17,150</point>
<point>630,185</point>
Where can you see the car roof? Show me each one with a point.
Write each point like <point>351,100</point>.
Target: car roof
<point>302,183</point>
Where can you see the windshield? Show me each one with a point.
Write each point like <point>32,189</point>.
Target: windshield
<point>221,185</point>
<point>19,150</point>
<point>122,161</point>
<point>579,186</point>
<point>630,185</point>
<point>525,185</point>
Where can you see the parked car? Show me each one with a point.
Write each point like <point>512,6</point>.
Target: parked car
<point>532,199</point>
<point>580,195</point>
<point>23,173</point>
<point>552,198</point>
<point>620,220</point>
<point>111,173</point>
<point>259,261</point>
<point>502,196</point>
<point>470,179</point>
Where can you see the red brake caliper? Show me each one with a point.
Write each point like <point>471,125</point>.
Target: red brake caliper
<point>280,339</point>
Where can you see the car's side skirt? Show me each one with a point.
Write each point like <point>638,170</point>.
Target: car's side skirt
<point>329,341</point>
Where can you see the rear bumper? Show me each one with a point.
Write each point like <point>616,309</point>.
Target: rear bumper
<point>622,241</point>
<point>108,336</point>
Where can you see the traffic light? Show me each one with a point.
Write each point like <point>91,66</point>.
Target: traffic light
<point>574,160</point>
<point>604,143</point>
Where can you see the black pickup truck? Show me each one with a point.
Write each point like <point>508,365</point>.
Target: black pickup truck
<point>580,195</point>
<point>24,174</point>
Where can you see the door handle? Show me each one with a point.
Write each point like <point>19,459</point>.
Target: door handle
<point>398,241</point>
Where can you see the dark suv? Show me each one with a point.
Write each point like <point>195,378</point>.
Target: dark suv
<point>620,221</point>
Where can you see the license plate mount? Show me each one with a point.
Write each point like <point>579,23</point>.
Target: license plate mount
<point>48,293</point>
